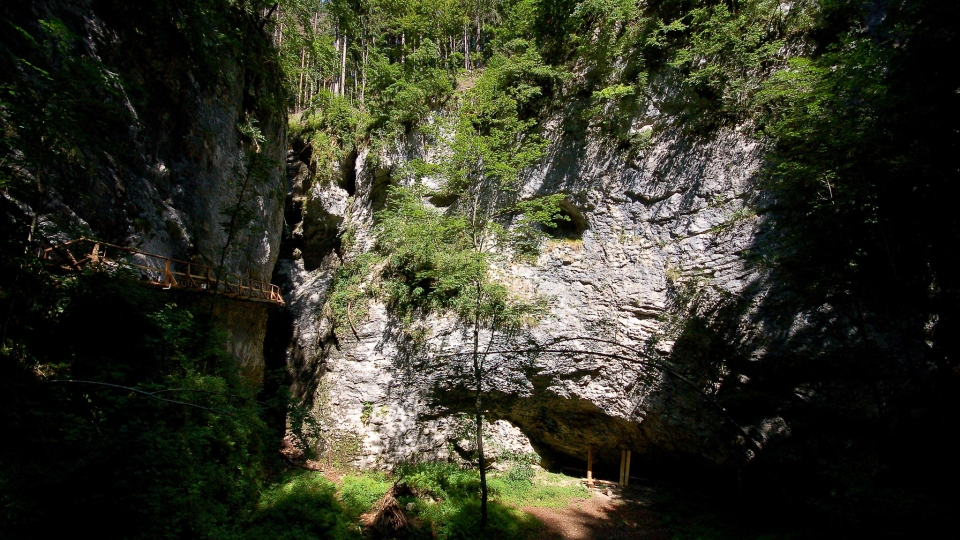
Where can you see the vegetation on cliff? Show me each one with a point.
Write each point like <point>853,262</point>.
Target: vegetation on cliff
<point>128,417</point>
<point>850,98</point>
<point>121,411</point>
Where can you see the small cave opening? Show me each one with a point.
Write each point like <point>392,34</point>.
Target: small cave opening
<point>571,224</point>
<point>302,151</point>
<point>276,378</point>
<point>321,237</point>
<point>443,199</point>
<point>292,215</point>
<point>348,168</point>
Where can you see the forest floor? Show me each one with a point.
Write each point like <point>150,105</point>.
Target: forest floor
<point>442,503</point>
<point>612,513</point>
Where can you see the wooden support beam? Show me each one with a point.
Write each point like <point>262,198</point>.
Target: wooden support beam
<point>623,463</point>
<point>590,466</point>
<point>626,474</point>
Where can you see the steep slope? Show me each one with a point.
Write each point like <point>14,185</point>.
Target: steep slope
<point>129,126</point>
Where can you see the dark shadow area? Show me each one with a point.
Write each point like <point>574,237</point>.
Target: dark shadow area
<point>348,168</point>
<point>154,405</point>
<point>382,180</point>
<point>302,506</point>
<point>843,350</point>
<point>292,215</point>
<point>321,234</point>
<point>274,394</point>
<point>570,225</point>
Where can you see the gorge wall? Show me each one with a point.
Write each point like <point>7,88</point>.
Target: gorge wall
<point>647,229</point>
<point>170,141</point>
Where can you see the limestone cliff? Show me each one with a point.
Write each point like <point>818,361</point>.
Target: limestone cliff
<point>675,214</point>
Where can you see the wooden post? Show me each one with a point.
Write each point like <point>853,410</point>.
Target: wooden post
<point>167,276</point>
<point>626,474</point>
<point>590,466</point>
<point>623,463</point>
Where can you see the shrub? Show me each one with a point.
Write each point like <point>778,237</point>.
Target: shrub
<point>359,492</point>
<point>301,507</point>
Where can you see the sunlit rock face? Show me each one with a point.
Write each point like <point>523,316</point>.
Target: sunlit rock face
<point>645,226</point>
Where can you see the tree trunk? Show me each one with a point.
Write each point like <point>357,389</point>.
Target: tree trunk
<point>336,82</point>
<point>303,59</point>
<point>478,411</point>
<point>363,72</point>
<point>466,49</point>
<point>343,67</point>
<point>32,231</point>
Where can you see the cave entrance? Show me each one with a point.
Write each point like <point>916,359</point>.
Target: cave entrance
<point>348,168</point>
<point>571,225</point>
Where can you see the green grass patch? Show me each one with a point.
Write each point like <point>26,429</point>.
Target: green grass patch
<point>360,491</point>
<point>459,519</point>
<point>302,506</point>
<point>546,489</point>
<point>440,480</point>
<point>445,503</point>
<point>448,505</point>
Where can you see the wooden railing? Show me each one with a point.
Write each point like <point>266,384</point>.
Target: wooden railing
<point>160,271</point>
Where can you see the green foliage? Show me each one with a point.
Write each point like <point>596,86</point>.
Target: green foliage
<point>359,492</point>
<point>729,52</point>
<point>350,290</point>
<point>330,127</point>
<point>519,487</point>
<point>494,138</point>
<point>183,461</point>
<point>305,429</point>
<point>440,480</point>
<point>367,413</point>
<point>845,158</point>
<point>301,506</point>
<point>434,261</point>
<point>520,483</point>
<point>448,504</point>
<point>404,94</point>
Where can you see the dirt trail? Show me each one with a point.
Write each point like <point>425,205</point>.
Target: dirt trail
<point>624,515</point>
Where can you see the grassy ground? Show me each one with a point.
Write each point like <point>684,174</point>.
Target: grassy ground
<point>442,501</point>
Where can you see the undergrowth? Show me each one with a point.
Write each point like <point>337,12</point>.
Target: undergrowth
<point>442,500</point>
<point>302,505</point>
<point>360,491</point>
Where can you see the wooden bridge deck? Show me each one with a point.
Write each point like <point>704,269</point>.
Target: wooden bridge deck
<point>161,271</point>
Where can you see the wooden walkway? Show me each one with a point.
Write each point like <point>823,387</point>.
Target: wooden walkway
<point>160,271</point>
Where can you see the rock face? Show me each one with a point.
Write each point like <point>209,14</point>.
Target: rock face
<point>649,229</point>
<point>178,168</point>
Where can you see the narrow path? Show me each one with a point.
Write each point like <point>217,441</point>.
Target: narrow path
<point>624,515</point>
<point>160,271</point>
